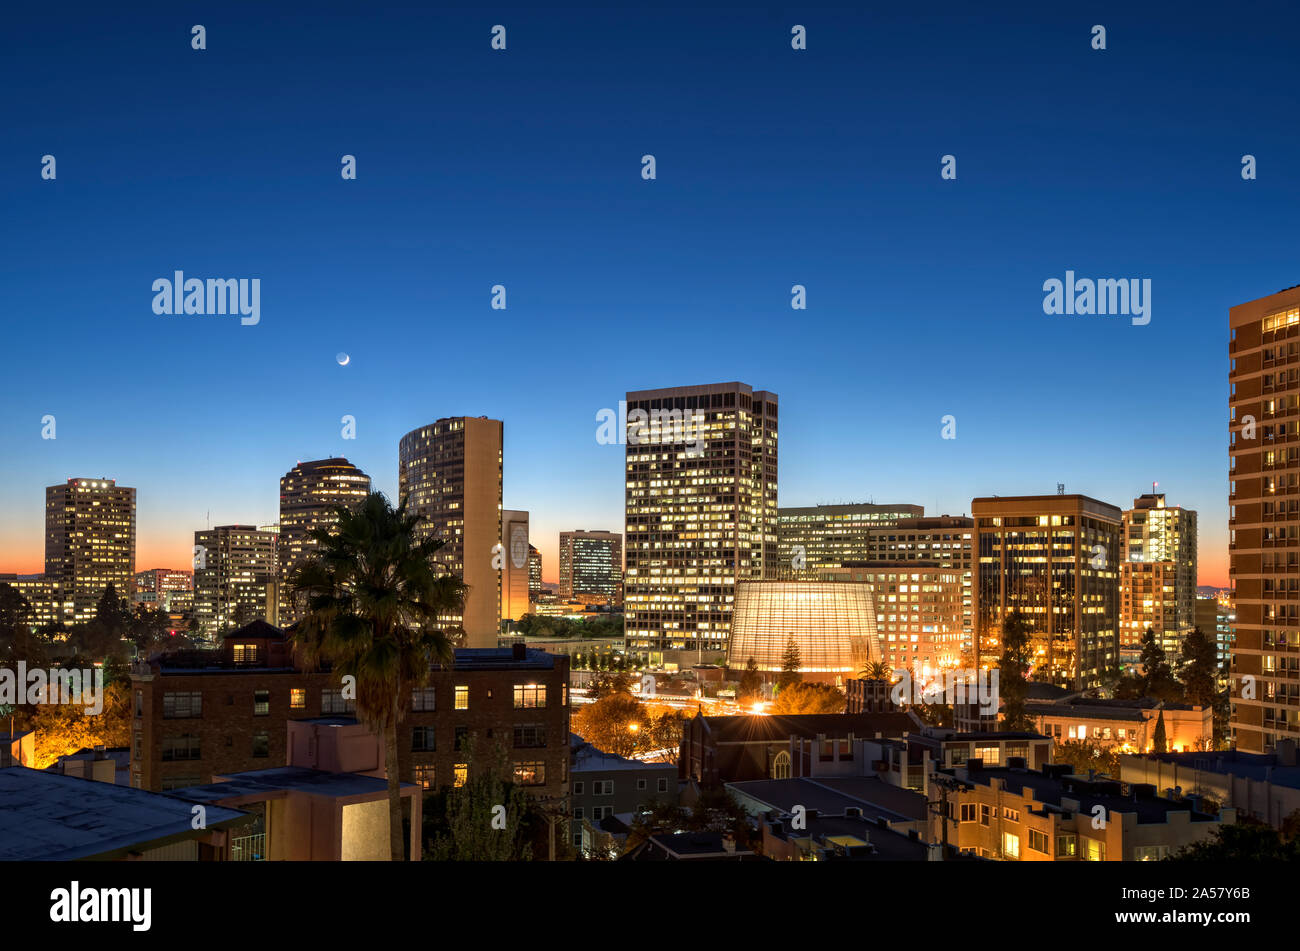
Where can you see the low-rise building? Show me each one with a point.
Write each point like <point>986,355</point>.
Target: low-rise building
<point>47,816</point>
<point>1017,814</point>
<point>1263,786</point>
<point>605,785</point>
<point>1126,724</point>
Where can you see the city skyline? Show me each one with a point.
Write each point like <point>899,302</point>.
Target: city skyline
<point>924,295</point>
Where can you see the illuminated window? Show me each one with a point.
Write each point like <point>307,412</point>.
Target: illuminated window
<point>462,774</point>
<point>530,696</point>
<point>297,698</point>
<point>462,697</point>
<point>1011,845</point>
<point>532,773</point>
<point>261,703</point>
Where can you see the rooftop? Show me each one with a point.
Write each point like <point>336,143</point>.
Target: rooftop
<point>263,783</point>
<point>49,816</point>
<point>775,729</point>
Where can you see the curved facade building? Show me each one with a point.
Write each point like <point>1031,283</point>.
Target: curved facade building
<point>309,494</point>
<point>832,622</point>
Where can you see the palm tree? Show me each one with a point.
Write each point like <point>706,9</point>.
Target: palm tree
<point>373,595</point>
<point>876,670</point>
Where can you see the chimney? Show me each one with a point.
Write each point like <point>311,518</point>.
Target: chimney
<point>518,651</point>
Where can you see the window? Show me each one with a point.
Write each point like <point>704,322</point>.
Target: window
<point>1150,853</point>
<point>462,697</point>
<point>530,735</point>
<point>577,813</point>
<point>182,706</point>
<point>663,785</point>
<point>261,703</point>
<point>1038,841</point>
<point>424,700</point>
<point>422,740</point>
<point>462,774</point>
<point>529,696</point>
<point>139,703</point>
<point>261,745</point>
<point>180,782</point>
<point>1094,850</point>
<point>460,738</point>
<point>1067,846</point>
<point>577,787</point>
<point>640,785</point>
<point>986,815</point>
<point>297,698</point>
<point>245,653</point>
<point>600,812</point>
<point>530,773</point>
<point>1011,814</point>
<point>991,755</point>
<point>1010,845</point>
<point>781,765</point>
<point>183,747</point>
<point>602,787</point>
<point>331,701</point>
<point>968,812</point>
<point>424,775</point>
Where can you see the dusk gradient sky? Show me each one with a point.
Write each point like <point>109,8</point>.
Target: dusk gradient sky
<point>522,168</point>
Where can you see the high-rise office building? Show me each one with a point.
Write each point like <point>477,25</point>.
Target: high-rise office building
<point>814,538</point>
<point>701,469</point>
<point>236,578</point>
<point>310,494</point>
<point>449,472</point>
<point>946,541</point>
<point>1264,517</point>
<point>918,613</point>
<point>534,573</point>
<point>90,541</point>
<point>1054,558</point>
<point>514,565</point>
<point>1157,580</point>
<point>157,588</point>
<point>591,565</point>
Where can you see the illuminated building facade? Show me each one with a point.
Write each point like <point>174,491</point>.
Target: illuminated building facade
<point>50,603</point>
<point>1157,577</point>
<point>591,566</point>
<point>534,573</point>
<point>833,624</point>
<point>919,609</point>
<point>701,513</point>
<point>310,493</point>
<point>818,537</point>
<point>1053,558</point>
<point>157,588</point>
<point>947,541</point>
<point>1264,518</point>
<point>449,472</point>
<point>514,564</point>
<point>236,575</point>
<point>90,540</point>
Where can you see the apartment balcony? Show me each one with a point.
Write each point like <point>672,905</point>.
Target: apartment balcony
<point>248,848</point>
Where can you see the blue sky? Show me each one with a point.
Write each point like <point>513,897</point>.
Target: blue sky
<point>775,167</point>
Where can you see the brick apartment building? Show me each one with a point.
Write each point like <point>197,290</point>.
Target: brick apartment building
<point>197,714</point>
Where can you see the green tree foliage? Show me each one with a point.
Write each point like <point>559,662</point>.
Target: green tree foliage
<point>1198,669</point>
<point>751,682</point>
<point>373,596</point>
<point>483,820</point>
<point>1158,679</point>
<point>808,698</point>
<point>1012,671</point>
<point>790,664</point>
<point>536,625</point>
<point>1084,755</point>
<point>1248,840</point>
<point>1160,739</point>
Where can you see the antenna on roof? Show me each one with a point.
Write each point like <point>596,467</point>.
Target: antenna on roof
<point>1060,488</point>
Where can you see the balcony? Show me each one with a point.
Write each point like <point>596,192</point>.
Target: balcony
<point>248,848</point>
